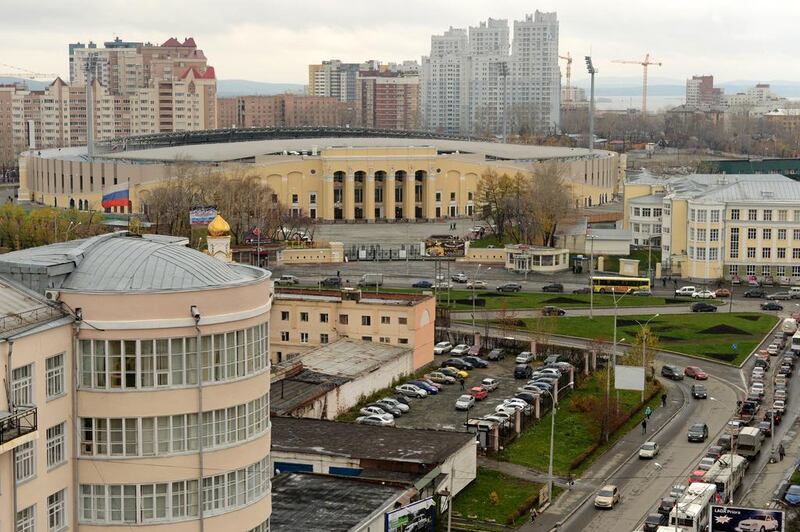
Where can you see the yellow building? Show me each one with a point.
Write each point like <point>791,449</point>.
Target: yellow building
<point>711,226</point>
<point>345,177</point>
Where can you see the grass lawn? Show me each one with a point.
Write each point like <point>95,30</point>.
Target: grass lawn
<point>574,432</point>
<point>460,300</point>
<point>514,496</point>
<point>486,241</point>
<point>708,335</point>
<point>611,262</point>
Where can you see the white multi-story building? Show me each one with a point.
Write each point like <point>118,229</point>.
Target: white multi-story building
<point>444,85</point>
<point>487,75</point>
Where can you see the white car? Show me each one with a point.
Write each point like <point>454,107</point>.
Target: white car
<point>394,403</point>
<point>780,394</point>
<point>459,350</point>
<point>685,291</point>
<point>465,402</point>
<point>460,277</point>
<point>649,449</point>
<point>773,349</point>
<point>442,347</point>
<point>442,285</point>
<point>489,384</point>
<point>550,371</point>
<point>409,390</point>
<point>516,403</point>
<point>607,497</point>
<point>375,420</point>
<point>287,279</point>
<point>532,388</point>
<point>477,285</point>
<point>505,416</point>
<point>703,294</point>
<point>524,357</point>
<point>506,409</point>
<point>759,523</point>
<point>779,406</point>
<point>706,463</point>
<point>496,418</point>
<point>374,411</point>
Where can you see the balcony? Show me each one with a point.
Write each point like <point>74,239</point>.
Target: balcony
<point>16,425</point>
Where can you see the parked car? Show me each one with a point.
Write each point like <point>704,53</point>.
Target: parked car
<point>528,397</point>
<point>698,432</point>
<point>459,277</point>
<point>792,495</point>
<point>396,412</point>
<point>783,296</point>
<point>703,307</point>
<point>695,373</point>
<point>765,427</point>
<point>553,287</point>
<point>465,402</point>
<point>476,362</point>
<point>453,372</point>
<point>649,449</point>
<point>430,388</point>
<point>641,292</point>
<point>422,284</point>
<point>477,285</point>
<point>380,421</point>
<point>509,287</point>
<point>489,384</point>
<point>705,463</point>
<point>523,371</point>
<point>666,505</point>
<point>771,305</point>
<point>703,294</point>
<point>478,392</point>
<point>394,403</point>
<point>653,521</point>
<point>459,350</point>
<point>438,376</point>
<point>770,414</point>
<point>409,390</point>
<point>672,372</point>
<point>550,310</point>
<point>496,354</point>
<point>524,357</point>
<point>287,280</point>
<point>755,292</point>
<point>334,282</point>
<point>583,290</point>
<point>607,497</point>
<point>722,292</point>
<point>375,411</point>
<point>685,291</point>
<point>459,363</point>
<point>772,349</point>
<point>474,350</point>
<point>442,347</point>
<point>699,391</point>
<point>779,405</point>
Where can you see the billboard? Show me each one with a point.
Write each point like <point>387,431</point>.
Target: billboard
<point>202,215</point>
<point>629,378</point>
<point>733,519</point>
<point>418,516</point>
<point>444,246</point>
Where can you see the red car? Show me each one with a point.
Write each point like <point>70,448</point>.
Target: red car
<point>695,373</point>
<point>696,476</point>
<point>722,292</point>
<point>478,393</point>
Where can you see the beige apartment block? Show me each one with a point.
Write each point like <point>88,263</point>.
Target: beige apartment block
<point>305,319</point>
<point>166,421</point>
<point>283,110</point>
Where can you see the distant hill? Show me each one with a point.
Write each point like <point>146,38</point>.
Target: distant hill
<point>32,84</point>
<point>243,87</point>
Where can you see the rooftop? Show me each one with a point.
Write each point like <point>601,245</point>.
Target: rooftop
<point>322,503</point>
<point>350,358</point>
<point>334,438</point>
<point>379,298</point>
<point>21,309</point>
<point>715,188</point>
<point>295,391</point>
<point>122,261</point>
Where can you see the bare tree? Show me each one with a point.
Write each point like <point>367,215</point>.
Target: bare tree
<point>551,202</point>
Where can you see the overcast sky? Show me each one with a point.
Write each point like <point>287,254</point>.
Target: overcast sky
<point>275,40</point>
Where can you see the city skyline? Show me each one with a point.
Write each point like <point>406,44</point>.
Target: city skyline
<point>733,43</point>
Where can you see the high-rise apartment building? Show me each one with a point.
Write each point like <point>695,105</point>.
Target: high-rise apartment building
<point>700,92</point>
<point>387,100</point>
<point>471,84</point>
<point>334,79</point>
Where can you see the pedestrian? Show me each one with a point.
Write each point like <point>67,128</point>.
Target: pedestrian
<point>648,411</point>
<point>675,283</point>
<point>338,273</point>
<point>461,380</point>
<point>663,282</point>
<point>663,399</point>
<point>534,514</point>
<point>781,451</point>
<point>644,426</point>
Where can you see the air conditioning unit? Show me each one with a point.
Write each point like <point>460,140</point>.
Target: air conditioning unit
<point>51,295</point>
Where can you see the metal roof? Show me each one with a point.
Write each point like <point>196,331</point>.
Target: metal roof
<point>122,262</point>
<point>350,358</point>
<point>21,309</point>
<point>651,199</point>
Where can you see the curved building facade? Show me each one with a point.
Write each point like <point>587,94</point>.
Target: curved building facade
<point>329,178</point>
<point>171,406</point>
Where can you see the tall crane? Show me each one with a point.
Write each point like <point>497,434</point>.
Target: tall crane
<point>646,63</point>
<point>568,59</point>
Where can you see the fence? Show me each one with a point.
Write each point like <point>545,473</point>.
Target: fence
<point>18,424</point>
<point>379,252</point>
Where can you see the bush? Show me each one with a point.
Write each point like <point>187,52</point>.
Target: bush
<point>522,509</point>
<point>494,499</point>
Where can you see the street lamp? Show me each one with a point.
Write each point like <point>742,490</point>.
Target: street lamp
<point>592,71</point>
<point>474,282</point>
<point>644,349</point>
<point>591,272</point>
<point>554,408</point>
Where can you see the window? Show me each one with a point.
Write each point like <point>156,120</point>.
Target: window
<point>323,338</point>
<point>767,215</point>
<point>402,341</point>
<point>781,234</point>
<point>304,337</point>
<point>667,209</point>
<point>765,270</point>
<point>366,320</point>
<point>795,271</point>
<point>702,215</point>
<point>635,228</point>
<point>56,512</point>
<point>796,234</point>
<point>25,462</point>
<point>780,271</point>
<point>656,229</point>
<point>714,215</point>
<point>470,196</point>
<point>752,214</point>
<point>304,316</point>
<point>54,375</point>
<point>751,253</point>
<point>714,235</point>
<point>284,336</point>
<point>701,235</point>
<point>438,196</point>
<point>796,253</point>
<point>284,315</point>
<point>367,338</point>
<point>692,215</point>
<point>22,385</point>
<point>713,253</point>
<point>781,253</point>
<point>766,253</point>
<point>402,321</point>
<point>750,269</point>
<point>312,198</point>
<point>734,214</point>
<point>766,234</point>
<point>796,216</point>
<point>55,445</point>
<point>646,212</point>
<point>782,215</point>
<point>656,212</point>
<point>384,340</point>
<point>733,269</point>
<point>701,253</point>
<point>637,211</point>
<point>751,232</point>
<point>691,233</point>
<point>343,319</point>
<point>26,519</point>
<point>323,317</point>
<point>385,320</point>
<point>452,196</point>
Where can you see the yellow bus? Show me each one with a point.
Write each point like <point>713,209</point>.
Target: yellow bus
<point>619,285</point>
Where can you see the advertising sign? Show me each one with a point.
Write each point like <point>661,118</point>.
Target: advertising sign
<point>418,516</point>
<point>202,215</point>
<point>733,519</point>
<point>444,246</point>
<point>629,378</point>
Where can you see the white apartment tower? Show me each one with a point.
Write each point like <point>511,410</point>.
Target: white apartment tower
<point>444,87</point>
<point>487,75</point>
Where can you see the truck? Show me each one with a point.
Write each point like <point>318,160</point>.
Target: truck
<point>727,474</point>
<point>371,279</point>
<point>749,442</point>
<point>789,326</point>
<point>692,511</point>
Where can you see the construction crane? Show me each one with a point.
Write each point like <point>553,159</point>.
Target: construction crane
<point>646,63</point>
<point>568,59</point>
<point>25,73</point>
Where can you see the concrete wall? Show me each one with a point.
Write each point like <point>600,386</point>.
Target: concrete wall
<point>331,254</point>
<point>480,255</point>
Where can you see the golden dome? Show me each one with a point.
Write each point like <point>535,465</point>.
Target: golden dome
<point>219,227</point>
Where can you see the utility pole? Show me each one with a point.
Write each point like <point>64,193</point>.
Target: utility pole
<point>592,71</point>
<point>91,75</point>
<point>591,274</point>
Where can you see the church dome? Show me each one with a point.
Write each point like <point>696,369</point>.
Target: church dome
<point>219,227</point>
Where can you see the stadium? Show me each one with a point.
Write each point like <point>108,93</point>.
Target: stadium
<point>329,174</point>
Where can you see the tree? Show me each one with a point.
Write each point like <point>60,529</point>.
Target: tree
<point>21,228</point>
<point>551,202</point>
<point>644,343</point>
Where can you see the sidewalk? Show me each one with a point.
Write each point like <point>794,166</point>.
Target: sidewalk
<point>769,480</point>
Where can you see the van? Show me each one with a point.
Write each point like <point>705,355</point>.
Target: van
<point>371,279</point>
<point>789,325</point>
<point>685,291</point>
<point>794,291</point>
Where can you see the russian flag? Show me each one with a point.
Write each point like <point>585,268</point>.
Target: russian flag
<point>116,196</point>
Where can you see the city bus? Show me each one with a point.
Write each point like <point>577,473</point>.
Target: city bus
<point>727,473</point>
<point>619,285</point>
<point>691,512</point>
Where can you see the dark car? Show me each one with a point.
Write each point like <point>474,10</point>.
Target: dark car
<point>654,521</point>
<point>715,451</point>
<point>528,397</point>
<point>553,311</point>
<point>496,354</point>
<point>765,427</point>
<point>422,284</point>
<point>703,307</point>
<point>755,292</point>
<point>553,287</point>
<point>432,390</point>
<point>769,414</point>
<point>332,281</point>
<point>771,305</point>
<point>387,408</point>
<point>584,290</point>
<point>672,372</point>
<point>698,432</point>
<point>509,287</point>
<point>523,371</point>
<point>477,362</point>
<point>459,363</point>
<point>699,391</point>
<point>725,442</point>
<point>666,505</point>
<point>450,373</point>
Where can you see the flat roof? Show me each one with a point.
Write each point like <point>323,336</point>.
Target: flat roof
<point>324,503</point>
<point>379,298</point>
<point>21,309</point>
<point>336,438</point>
<point>292,392</point>
<point>350,358</point>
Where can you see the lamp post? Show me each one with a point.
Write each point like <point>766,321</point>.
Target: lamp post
<point>474,282</point>
<point>614,348</point>
<point>552,434</point>
<point>644,349</point>
<point>592,71</point>
<point>591,273</point>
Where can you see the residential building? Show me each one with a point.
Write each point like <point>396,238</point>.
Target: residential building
<point>786,119</point>
<point>311,318</point>
<point>334,79</point>
<point>713,226</point>
<point>444,88</point>
<point>166,422</point>
<point>756,101</point>
<point>387,100</point>
<point>284,110</point>
<point>488,76</point>
<point>701,93</point>
<point>8,155</point>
